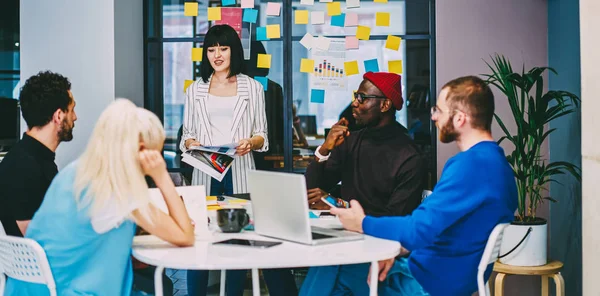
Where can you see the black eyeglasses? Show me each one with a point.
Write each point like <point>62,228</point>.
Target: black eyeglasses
<point>360,97</point>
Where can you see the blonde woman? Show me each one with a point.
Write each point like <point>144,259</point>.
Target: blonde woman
<point>87,220</point>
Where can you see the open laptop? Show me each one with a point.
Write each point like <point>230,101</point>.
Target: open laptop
<point>280,210</point>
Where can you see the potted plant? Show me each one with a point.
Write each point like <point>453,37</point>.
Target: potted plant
<point>524,242</point>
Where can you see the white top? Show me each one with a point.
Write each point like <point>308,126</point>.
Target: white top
<point>109,217</point>
<point>249,119</point>
<point>206,256</point>
<point>220,113</point>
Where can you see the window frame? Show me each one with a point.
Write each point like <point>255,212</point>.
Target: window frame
<point>154,78</point>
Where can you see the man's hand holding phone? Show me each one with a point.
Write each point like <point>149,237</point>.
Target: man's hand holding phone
<point>351,218</point>
<point>335,202</point>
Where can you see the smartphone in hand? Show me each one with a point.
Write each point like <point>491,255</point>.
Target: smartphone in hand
<point>335,202</point>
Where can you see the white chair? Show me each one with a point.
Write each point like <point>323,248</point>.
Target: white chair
<point>490,255</point>
<point>24,259</point>
<point>425,194</point>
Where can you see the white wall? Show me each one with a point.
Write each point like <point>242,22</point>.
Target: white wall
<point>77,39</point>
<point>468,31</point>
<point>129,49</point>
<point>590,144</point>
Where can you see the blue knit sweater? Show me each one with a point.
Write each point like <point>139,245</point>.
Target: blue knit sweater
<point>447,233</point>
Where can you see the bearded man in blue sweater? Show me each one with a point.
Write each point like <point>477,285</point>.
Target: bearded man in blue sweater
<point>447,233</point>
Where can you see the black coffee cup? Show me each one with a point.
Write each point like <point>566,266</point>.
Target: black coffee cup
<point>232,220</point>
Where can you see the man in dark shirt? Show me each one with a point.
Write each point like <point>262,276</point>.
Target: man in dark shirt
<point>378,165</point>
<point>27,170</point>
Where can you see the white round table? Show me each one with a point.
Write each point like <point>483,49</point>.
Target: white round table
<point>206,256</point>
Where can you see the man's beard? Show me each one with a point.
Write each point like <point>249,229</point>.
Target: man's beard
<point>365,119</point>
<point>66,131</point>
<point>447,132</point>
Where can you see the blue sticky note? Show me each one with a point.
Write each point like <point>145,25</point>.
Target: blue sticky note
<point>250,15</point>
<point>263,80</point>
<point>227,2</point>
<point>261,34</point>
<point>312,215</point>
<point>338,20</point>
<point>371,66</point>
<point>317,96</point>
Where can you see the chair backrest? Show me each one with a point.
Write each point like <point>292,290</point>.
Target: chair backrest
<point>24,259</point>
<point>490,255</point>
<point>425,194</point>
<point>178,179</point>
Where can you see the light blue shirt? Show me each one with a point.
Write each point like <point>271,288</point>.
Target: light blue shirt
<point>83,261</point>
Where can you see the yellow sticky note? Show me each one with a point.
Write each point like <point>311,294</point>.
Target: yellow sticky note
<point>263,61</point>
<point>307,66</point>
<point>380,1</point>
<point>301,17</point>
<point>187,84</point>
<point>197,54</point>
<point>363,33</point>
<point>351,68</point>
<point>334,8</point>
<point>238,201</point>
<point>213,207</point>
<point>395,67</point>
<point>190,9</point>
<point>393,42</point>
<point>214,13</point>
<point>382,19</point>
<point>211,197</point>
<point>273,31</point>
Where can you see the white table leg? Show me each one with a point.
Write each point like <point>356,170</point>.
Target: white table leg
<point>223,278</point>
<point>158,286</point>
<point>255,282</point>
<point>374,278</point>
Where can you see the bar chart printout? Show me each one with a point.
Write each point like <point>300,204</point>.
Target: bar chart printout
<point>329,66</point>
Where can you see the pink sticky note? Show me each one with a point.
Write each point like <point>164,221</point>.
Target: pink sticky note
<point>351,20</point>
<point>351,42</point>
<point>273,8</point>
<point>247,3</point>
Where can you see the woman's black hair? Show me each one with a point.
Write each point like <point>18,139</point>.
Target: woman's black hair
<point>222,35</point>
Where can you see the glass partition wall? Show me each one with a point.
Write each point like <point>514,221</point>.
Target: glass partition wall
<point>302,103</point>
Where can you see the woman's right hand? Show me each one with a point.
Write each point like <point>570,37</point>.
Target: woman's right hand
<point>152,162</point>
<point>191,143</point>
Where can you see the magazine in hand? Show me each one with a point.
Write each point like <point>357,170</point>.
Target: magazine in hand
<point>212,160</point>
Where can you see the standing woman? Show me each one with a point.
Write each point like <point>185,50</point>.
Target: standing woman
<point>222,107</point>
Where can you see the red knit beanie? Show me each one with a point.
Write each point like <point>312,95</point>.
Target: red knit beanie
<point>389,85</point>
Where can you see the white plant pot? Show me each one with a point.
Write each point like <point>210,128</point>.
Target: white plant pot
<point>532,252</point>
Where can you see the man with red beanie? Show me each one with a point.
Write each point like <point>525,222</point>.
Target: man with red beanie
<point>378,165</point>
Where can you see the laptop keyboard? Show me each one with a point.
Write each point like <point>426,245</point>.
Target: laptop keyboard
<point>320,236</point>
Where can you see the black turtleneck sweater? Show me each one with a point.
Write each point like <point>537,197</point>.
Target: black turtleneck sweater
<point>381,168</point>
